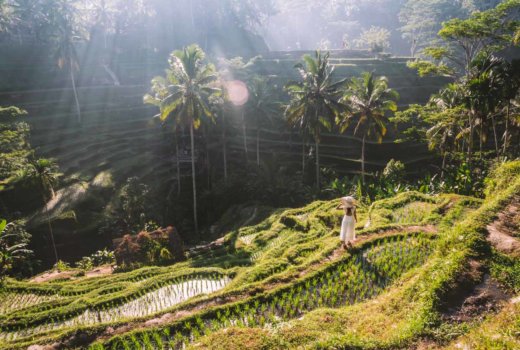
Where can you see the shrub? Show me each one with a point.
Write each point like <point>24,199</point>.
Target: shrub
<point>99,258</point>
<point>394,171</point>
<point>146,248</point>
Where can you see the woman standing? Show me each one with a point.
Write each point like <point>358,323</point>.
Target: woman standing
<point>348,231</point>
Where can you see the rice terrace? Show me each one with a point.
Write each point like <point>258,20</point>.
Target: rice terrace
<point>268,174</point>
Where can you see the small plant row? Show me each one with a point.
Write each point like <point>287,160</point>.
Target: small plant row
<point>113,293</point>
<point>11,301</point>
<point>145,305</point>
<point>273,243</point>
<point>248,239</point>
<point>352,280</point>
<point>413,212</point>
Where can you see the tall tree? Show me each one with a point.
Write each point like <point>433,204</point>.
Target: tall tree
<point>263,106</point>
<point>482,34</point>
<point>236,72</point>
<point>182,96</point>
<point>370,100</point>
<point>45,172</point>
<point>314,100</point>
<point>66,32</point>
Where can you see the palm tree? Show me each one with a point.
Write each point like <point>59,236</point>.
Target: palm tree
<point>263,105</point>
<point>182,96</point>
<point>67,31</point>
<point>45,171</point>
<point>221,106</point>
<point>314,100</point>
<point>370,99</point>
<point>236,69</point>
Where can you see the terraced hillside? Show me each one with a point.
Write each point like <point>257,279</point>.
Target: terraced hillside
<point>116,140</point>
<point>116,133</point>
<point>286,283</point>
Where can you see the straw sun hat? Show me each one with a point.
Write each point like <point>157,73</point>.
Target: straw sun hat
<point>348,202</point>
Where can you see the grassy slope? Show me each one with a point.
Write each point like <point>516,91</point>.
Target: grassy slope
<point>409,310</point>
<point>289,249</point>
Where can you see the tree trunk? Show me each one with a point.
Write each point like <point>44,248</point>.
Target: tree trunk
<point>208,160</point>
<point>445,155</point>
<point>224,146</point>
<point>470,142</point>
<point>51,234</point>
<point>244,131</point>
<point>78,108</point>
<point>363,159</point>
<point>194,180</point>
<point>495,134</point>
<point>317,165</point>
<point>506,132</point>
<point>481,136</point>
<point>257,145</point>
<point>178,166</point>
<point>303,158</point>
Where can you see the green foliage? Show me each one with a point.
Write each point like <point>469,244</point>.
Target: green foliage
<point>314,100</point>
<point>14,146</point>
<point>394,171</point>
<point>480,35</point>
<point>374,38</point>
<point>427,68</point>
<point>99,258</point>
<point>62,266</point>
<point>132,210</point>
<point>506,270</point>
<point>14,241</point>
<point>501,177</point>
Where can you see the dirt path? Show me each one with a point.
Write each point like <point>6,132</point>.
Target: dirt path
<point>504,232</point>
<point>71,275</point>
<point>477,295</point>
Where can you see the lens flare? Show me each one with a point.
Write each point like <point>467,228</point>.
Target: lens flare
<point>237,92</point>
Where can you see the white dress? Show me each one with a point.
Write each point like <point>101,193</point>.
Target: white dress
<point>348,232</point>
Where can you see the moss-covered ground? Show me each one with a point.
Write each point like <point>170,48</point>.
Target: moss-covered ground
<point>286,283</point>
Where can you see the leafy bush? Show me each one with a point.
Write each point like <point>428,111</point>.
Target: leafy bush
<point>13,247</point>
<point>394,171</point>
<point>99,258</point>
<point>501,176</point>
<point>162,246</point>
<point>61,266</point>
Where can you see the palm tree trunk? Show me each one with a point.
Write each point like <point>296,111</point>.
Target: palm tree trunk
<point>257,145</point>
<point>178,166</point>
<point>303,158</point>
<point>506,132</point>
<point>363,159</point>
<point>224,146</point>
<point>470,141</point>
<point>208,160</point>
<point>481,138</point>
<point>78,108</point>
<point>51,233</point>
<point>244,131</point>
<point>317,165</point>
<point>495,134</point>
<point>194,181</point>
<point>443,166</point>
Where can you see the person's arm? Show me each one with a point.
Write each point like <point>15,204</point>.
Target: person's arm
<point>340,206</point>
